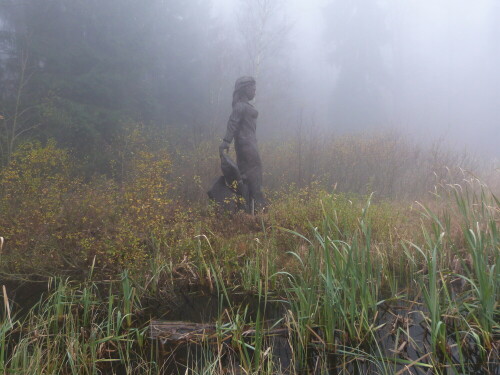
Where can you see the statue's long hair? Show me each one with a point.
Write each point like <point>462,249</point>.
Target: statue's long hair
<point>241,83</point>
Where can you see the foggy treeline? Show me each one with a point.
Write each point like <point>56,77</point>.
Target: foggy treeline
<point>81,71</point>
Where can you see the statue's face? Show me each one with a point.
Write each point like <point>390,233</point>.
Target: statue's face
<point>250,91</point>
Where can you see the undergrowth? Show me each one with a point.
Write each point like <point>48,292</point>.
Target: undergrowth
<point>352,276</point>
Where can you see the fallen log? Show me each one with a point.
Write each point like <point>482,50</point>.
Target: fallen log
<point>176,332</point>
<point>179,331</point>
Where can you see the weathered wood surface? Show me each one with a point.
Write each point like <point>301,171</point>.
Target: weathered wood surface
<point>180,331</point>
<point>195,332</point>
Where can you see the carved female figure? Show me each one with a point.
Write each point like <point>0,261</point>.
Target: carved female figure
<point>242,127</point>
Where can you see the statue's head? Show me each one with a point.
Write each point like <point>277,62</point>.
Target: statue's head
<point>244,89</point>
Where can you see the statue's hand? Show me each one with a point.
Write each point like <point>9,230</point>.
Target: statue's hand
<point>224,146</point>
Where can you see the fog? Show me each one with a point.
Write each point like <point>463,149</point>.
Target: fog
<point>80,71</point>
<point>427,68</point>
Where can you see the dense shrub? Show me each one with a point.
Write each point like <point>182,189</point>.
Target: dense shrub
<point>384,162</point>
<point>153,203</point>
<point>54,220</point>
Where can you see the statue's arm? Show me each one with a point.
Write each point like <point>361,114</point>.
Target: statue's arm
<point>234,122</point>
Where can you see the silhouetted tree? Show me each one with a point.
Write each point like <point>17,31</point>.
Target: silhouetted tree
<point>95,65</point>
<point>265,31</point>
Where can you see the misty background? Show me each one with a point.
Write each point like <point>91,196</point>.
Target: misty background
<point>82,71</point>
<point>427,68</point>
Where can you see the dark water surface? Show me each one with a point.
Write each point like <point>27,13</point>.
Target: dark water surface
<point>404,336</point>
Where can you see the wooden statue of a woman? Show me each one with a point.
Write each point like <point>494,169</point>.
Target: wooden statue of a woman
<point>241,127</point>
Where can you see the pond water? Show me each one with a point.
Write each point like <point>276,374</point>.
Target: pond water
<point>401,344</point>
<point>403,336</point>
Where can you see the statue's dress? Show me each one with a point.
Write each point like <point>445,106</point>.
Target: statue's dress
<point>242,126</point>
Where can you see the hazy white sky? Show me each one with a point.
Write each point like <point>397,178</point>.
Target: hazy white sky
<point>447,80</point>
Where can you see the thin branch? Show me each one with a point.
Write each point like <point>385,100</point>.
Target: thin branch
<point>25,130</point>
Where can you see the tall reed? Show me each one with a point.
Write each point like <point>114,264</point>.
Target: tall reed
<point>336,292</point>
